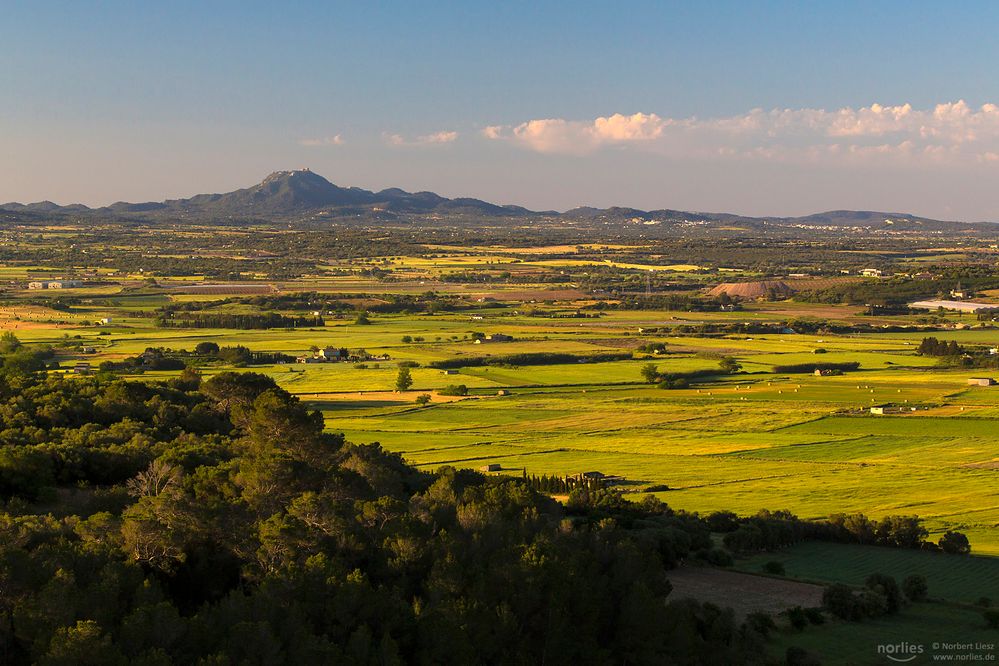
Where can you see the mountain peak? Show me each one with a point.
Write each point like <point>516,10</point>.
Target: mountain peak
<point>293,174</point>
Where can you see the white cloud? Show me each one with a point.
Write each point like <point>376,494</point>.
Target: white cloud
<point>555,135</point>
<point>335,140</point>
<point>493,132</point>
<point>951,131</point>
<point>435,138</point>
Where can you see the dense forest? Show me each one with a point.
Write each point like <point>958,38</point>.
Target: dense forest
<point>216,522</point>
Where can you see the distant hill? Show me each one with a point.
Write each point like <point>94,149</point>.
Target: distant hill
<point>304,195</point>
<point>288,194</point>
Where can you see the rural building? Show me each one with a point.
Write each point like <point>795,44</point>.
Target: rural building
<point>54,284</point>
<point>450,372</point>
<point>333,354</point>
<point>88,350</point>
<point>494,337</point>
<point>81,368</point>
<point>981,381</point>
<point>328,354</point>
<point>871,272</point>
<point>105,320</point>
<point>309,359</point>
<point>491,467</point>
<point>891,409</point>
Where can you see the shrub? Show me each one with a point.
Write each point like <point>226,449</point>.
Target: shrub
<point>815,616</point>
<point>798,656</point>
<point>840,600</point>
<point>761,623</point>
<point>775,568</point>
<point>719,557</point>
<point>886,586</point>
<point>915,587</point>
<point>657,488</point>
<point>796,617</point>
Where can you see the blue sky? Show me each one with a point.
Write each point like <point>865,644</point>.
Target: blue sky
<point>764,108</point>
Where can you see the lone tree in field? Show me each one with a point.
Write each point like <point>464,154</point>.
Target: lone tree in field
<point>9,343</point>
<point>650,373</point>
<point>403,380</point>
<point>729,365</point>
<point>915,587</point>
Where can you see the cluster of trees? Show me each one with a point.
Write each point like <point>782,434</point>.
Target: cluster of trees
<point>483,276</point>
<point>561,485</point>
<point>527,358</point>
<point>427,302</point>
<point>669,302</point>
<point>238,355</point>
<point>681,380</point>
<point>798,368</point>
<point>160,358</point>
<point>237,321</point>
<point>771,530</point>
<point>216,522</point>
<point>881,595</point>
<point>17,359</point>
<point>952,353</point>
<point>933,347</point>
<point>652,348</point>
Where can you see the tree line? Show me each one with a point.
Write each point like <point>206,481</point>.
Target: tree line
<point>238,321</point>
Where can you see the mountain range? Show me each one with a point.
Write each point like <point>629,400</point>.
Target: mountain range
<point>302,194</point>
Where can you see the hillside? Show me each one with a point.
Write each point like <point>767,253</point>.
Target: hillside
<point>301,195</point>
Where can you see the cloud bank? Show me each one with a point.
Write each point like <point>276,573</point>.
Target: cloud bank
<point>435,138</point>
<point>335,140</point>
<point>948,132</point>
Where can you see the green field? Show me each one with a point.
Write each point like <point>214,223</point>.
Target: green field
<point>740,442</point>
<point>950,577</point>
<point>933,626</point>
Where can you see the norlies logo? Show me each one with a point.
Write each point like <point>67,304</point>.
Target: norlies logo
<point>901,652</point>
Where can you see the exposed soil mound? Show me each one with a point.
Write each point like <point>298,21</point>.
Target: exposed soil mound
<point>773,289</point>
